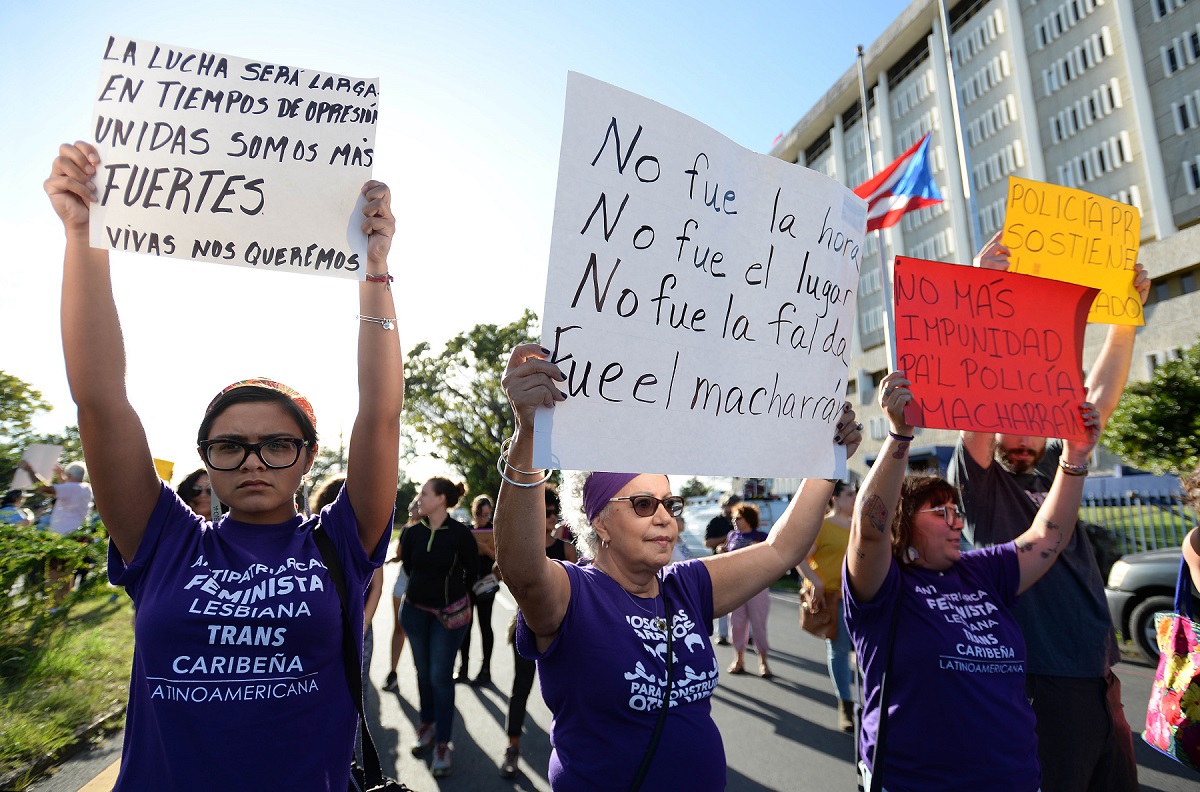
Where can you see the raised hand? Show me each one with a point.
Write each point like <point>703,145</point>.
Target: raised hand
<point>531,381</point>
<point>894,394</point>
<point>994,255</point>
<point>71,187</point>
<point>379,224</point>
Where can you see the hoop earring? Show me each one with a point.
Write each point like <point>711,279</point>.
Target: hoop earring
<point>604,543</point>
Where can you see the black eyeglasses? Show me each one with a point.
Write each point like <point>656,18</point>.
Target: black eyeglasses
<point>278,452</point>
<point>950,513</point>
<point>647,505</point>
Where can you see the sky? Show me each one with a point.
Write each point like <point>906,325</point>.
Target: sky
<point>470,123</point>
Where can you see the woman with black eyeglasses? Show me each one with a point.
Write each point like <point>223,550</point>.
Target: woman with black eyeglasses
<point>238,680</point>
<point>933,627</point>
<point>613,638</point>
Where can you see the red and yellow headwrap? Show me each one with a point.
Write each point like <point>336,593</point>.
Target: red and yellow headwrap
<point>270,384</point>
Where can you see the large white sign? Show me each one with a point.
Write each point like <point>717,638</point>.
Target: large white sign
<point>700,298</point>
<point>209,157</point>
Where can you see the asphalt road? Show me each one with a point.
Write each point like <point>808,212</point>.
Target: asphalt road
<point>779,734</point>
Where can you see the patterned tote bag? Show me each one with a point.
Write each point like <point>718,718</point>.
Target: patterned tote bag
<point>1173,716</point>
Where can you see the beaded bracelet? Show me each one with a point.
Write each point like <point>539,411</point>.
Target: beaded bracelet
<point>1072,470</point>
<point>386,279</point>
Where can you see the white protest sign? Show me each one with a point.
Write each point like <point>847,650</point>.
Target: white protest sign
<point>42,457</point>
<point>700,298</point>
<point>215,158</point>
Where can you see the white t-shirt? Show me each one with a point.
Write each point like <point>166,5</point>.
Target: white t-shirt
<point>72,499</point>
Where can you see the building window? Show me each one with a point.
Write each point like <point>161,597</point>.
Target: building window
<point>1188,282</point>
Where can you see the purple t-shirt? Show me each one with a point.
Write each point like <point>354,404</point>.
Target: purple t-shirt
<point>958,672</point>
<point>736,540</point>
<point>603,676</point>
<point>238,679</point>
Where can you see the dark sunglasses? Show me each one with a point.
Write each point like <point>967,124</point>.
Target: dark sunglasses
<point>647,505</point>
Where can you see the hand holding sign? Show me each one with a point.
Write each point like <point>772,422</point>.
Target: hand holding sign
<point>990,351</point>
<point>1074,236</point>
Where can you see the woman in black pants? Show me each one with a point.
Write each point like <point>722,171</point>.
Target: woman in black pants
<point>525,670</point>
<point>481,519</point>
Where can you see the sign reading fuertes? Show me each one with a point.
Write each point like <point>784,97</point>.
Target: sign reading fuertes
<point>215,158</point>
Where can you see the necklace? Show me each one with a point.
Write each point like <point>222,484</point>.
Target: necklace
<point>659,622</point>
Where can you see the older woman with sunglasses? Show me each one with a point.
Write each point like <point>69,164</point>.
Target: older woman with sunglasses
<point>941,621</point>
<point>238,634</point>
<point>614,637</point>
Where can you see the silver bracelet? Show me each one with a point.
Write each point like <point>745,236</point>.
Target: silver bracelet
<point>502,463</point>
<point>384,322</point>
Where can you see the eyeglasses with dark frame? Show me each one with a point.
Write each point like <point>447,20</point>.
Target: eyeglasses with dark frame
<point>647,505</point>
<point>950,513</point>
<point>276,453</point>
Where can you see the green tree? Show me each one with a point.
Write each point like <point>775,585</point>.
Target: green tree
<point>454,400</point>
<point>693,487</point>
<point>20,404</point>
<point>1157,424</point>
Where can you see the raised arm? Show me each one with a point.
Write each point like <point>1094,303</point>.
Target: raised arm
<point>1106,381</point>
<point>738,576</point>
<point>869,554</point>
<point>124,484</point>
<point>539,585</point>
<point>1039,547</point>
<point>374,462</point>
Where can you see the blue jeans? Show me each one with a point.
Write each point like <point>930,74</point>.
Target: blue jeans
<point>433,649</point>
<point>839,657</point>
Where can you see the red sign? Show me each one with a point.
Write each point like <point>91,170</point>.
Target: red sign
<point>991,351</point>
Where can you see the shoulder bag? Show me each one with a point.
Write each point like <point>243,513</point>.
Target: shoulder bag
<point>822,623</point>
<point>369,777</point>
<point>1172,722</point>
<point>666,703</point>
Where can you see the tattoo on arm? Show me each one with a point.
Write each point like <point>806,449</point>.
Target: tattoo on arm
<point>876,513</point>
<point>1024,547</point>
<point>858,553</point>
<point>901,451</point>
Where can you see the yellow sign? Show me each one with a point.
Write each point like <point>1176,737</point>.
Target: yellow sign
<point>164,469</point>
<point>1070,235</point>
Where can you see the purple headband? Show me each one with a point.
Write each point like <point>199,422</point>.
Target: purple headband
<point>599,489</point>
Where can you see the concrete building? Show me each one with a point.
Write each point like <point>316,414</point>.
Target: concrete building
<point>1103,95</point>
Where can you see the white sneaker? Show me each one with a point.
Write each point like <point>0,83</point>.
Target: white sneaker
<point>441,760</point>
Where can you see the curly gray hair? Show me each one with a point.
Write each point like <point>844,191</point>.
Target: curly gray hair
<point>587,541</point>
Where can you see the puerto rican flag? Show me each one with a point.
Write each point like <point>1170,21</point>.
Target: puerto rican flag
<point>905,185</point>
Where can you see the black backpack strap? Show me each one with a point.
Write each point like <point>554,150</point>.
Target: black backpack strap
<point>350,655</point>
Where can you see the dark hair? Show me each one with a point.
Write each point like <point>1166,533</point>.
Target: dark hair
<point>552,500</point>
<point>748,512</point>
<point>187,489</point>
<point>479,502</point>
<point>448,489</point>
<point>916,493</point>
<point>12,496</point>
<point>327,492</point>
<point>253,393</point>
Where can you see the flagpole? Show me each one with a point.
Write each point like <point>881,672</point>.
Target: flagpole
<point>884,279</point>
<point>963,166</point>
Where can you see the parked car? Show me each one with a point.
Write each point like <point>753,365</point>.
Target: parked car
<point>1141,586</point>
